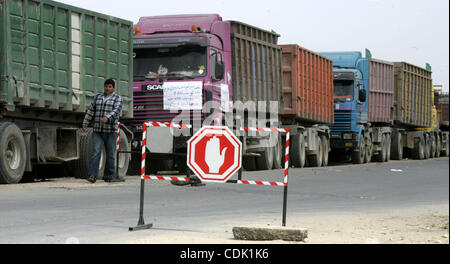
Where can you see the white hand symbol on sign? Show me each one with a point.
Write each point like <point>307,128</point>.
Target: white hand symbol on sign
<point>213,158</point>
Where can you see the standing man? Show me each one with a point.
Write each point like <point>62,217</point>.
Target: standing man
<point>104,114</point>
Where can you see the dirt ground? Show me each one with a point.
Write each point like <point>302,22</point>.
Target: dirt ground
<point>415,225</point>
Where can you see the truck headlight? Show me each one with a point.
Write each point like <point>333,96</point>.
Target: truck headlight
<point>347,136</point>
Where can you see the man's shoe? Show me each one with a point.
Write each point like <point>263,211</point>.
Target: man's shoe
<point>91,179</point>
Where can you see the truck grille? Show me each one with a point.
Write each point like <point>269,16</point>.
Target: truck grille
<point>342,121</point>
<point>149,106</point>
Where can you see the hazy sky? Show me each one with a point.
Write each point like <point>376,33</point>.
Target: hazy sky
<point>414,31</point>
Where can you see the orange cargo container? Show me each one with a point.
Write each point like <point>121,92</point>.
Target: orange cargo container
<point>307,86</point>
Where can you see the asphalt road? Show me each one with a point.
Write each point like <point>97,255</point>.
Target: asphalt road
<point>67,210</point>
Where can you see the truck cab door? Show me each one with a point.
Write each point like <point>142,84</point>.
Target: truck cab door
<point>362,105</point>
<point>362,93</point>
<point>217,72</point>
<point>217,66</point>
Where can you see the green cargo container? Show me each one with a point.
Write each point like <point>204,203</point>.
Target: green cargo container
<point>56,57</point>
<point>413,94</point>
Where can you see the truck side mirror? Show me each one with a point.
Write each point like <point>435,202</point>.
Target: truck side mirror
<point>362,96</point>
<point>219,71</point>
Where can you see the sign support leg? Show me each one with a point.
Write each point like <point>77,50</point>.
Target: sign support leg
<point>241,138</point>
<point>284,205</point>
<point>141,224</point>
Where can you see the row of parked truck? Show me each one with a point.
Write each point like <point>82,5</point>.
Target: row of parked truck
<point>200,70</point>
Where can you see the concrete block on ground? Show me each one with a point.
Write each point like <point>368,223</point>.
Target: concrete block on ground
<point>270,233</point>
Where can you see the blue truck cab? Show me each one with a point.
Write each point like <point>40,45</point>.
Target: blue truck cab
<point>351,84</point>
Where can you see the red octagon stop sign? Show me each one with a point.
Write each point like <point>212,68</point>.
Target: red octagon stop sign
<point>214,154</point>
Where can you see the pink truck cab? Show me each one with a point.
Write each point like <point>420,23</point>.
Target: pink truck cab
<point>186,51</point>
<point>186,70</point>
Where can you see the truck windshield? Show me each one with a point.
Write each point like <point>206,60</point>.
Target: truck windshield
<point>177,63</point>
<point>343,90</point>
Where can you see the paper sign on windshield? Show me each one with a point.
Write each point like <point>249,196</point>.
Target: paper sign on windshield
<point>183,95</point>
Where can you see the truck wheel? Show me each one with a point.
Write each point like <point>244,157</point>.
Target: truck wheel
<point>388,147</point>
<point>433,146</point>
<point>265,161</point>
<point>445,151</point>
<point>427,149</point>
<point>13,153</point>
<point>298,156</point>
<point>419,149</point>
<point>397,147</point>
<point>359,154</point>
<point>315,160</point>
<point>381,157</point>
<point>81,166</point>
<point>278,156</point>
<point>124,158</point>
<point>438,146</point>
<point>325,150</point>
<point>369,150</point>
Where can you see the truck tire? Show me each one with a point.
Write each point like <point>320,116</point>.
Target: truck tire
<point>438,146</point>
<point>325,150</point>
<point>445,152</point>
<point>358,155</point>
<point>419,149</point>
<point>369,149</point>
<point>81,166</point>
<point>124,158</point>
<point>298,154</point>
<point>381,157</point>
<point>265,161</point>
<point>388,147</point>
<point>315,160</point>
<point>427,149</point>
<point>13,153</point>
<point>433,146</point>
<point>397,146</point>
<point>278,156</point>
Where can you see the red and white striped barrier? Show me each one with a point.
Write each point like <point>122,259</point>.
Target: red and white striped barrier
<point>141,224</point>
<point>265,129</point>
<point>144,144</point>
<point>262,183</point>
<point>186,179</point>
<point>164,124</point>
<point>166,178</point>
<point>286,157</point>
<point>118,138</point>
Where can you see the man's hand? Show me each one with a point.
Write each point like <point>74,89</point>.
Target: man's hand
<point>104,120</point>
